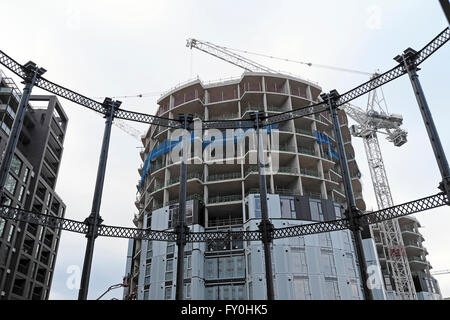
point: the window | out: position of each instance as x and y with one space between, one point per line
328 266
6 202
16 165
168 293
211 270
249 263
350 265
21 193
250 290
170 248
2 226
331 290
10 233
337 211
355 291
257 207
149 250
187 291
169 270
287 208
301 288
11 184
26 174
188 266
316 210
325 240
299 264
148 268
146 294
211 293
173 214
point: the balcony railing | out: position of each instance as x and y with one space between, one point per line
307 151
224 176
221 199
305 132
287 170
309 172
225 222
193 175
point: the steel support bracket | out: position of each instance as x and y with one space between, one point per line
181 236
266 228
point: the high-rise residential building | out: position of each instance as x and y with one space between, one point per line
427 287
305 187
28 251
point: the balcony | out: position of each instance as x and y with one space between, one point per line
225 222
310 173
225 199
224 176
307 151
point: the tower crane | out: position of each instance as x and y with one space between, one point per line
375 119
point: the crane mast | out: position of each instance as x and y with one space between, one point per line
369 122
377 119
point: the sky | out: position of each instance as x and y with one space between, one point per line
117 48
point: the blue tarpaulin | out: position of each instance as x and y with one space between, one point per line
168 145
322 138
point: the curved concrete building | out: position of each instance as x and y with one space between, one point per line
305 188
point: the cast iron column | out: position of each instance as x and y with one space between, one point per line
408 59
94 220
182 229
352 211
32 73
265 227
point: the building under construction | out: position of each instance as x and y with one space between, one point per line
306 187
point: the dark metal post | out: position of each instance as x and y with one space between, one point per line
408 59
352 211
446 8
265 226
32 73
181 228
94 220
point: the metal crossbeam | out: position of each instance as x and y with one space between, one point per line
133 233
43 219
400 210
404 209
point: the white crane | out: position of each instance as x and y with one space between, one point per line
374 120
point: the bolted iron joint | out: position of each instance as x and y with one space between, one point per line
408 59
93 225
444 186
32 72
266 228
182 231
257 118
331 97
188 118
110 104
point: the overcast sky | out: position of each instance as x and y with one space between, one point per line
115 48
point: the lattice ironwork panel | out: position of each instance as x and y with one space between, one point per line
224 236
297 113
226 124
146 118
404 209
133 233
12 65
70 95
43 219
312 228
370 85
433 46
